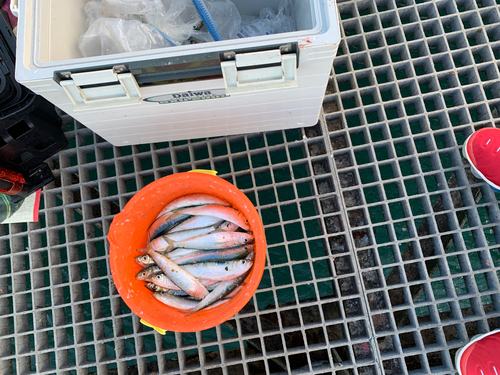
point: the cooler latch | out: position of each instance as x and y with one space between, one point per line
100 89
257 71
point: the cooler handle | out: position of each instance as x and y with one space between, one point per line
258 71
101 89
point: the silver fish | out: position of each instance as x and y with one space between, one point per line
222 290
179 253
164 224
219 271
196 222
192 200
155 288
190 233
215 255
159 244
179 276
222 212
235 291
163 281
175 301
147 272
251 256
228 226
182 303
144 260
216 240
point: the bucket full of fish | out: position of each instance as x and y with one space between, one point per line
187 252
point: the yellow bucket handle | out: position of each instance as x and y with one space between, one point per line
213 173
159 330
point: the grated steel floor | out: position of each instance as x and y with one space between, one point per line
383 249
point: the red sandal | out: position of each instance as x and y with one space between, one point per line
482 150
481 356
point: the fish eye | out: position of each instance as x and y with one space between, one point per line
245 240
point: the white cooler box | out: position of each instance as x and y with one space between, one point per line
192 91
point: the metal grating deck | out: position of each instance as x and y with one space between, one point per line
383 253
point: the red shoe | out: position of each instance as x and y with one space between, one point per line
482 151
481 356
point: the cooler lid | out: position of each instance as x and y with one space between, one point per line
39 58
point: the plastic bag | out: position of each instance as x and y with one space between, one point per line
178 19
96 9
226 16
269 22
116 26
132 6
107 36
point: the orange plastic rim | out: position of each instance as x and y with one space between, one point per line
128 233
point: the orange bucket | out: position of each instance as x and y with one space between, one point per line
128 232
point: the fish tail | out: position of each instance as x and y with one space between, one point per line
190 312
143 250
171 244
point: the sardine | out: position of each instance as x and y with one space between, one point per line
216 240
196 222
182 303
160 245
228 226
192 200
180 277
176 292
164 244
175 301
179 253
251 256
222 212
219 271
144 260
155 288
215 255
161 280
164 224
190 233
147 272
222 290
235 291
